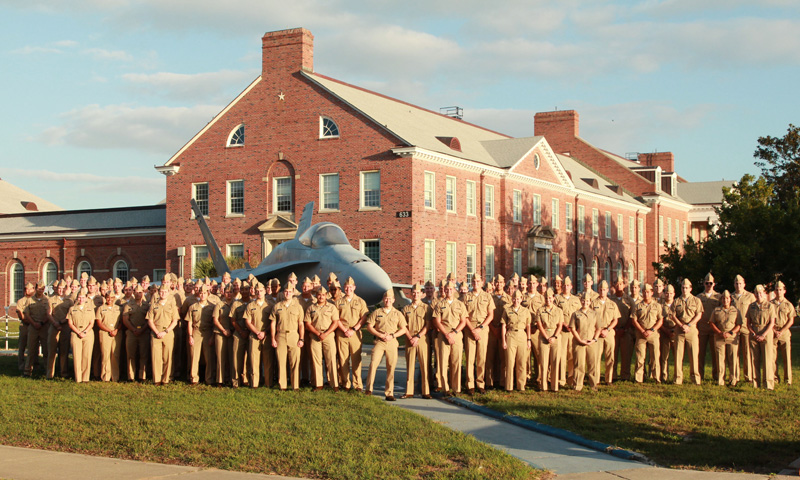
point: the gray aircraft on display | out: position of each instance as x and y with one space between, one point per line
318 249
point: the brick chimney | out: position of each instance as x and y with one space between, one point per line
665 160
563 123
287 51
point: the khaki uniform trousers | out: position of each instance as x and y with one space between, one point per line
161 357
605 348
36 337
494 374
137 349
58 344
181 353
726 352
745 355
584 358
349 350
534 355
288 354
566 363
433 360
110 351
418 354
666 346
203 345
239 348
390 349
224 363
307 362
449 364
261 355
782 346
23 345
82 355
548 364
324 351
763 355
706 343
687 341
643 346
517 359
623 346
476 358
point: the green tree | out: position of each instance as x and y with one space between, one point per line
779 160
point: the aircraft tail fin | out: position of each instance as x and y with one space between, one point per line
213 249
305 219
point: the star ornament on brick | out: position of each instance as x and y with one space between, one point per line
281 96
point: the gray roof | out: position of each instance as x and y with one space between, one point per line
580 171
14 200
508 151
74 221
703 193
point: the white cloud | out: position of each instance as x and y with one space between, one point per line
103 54
89 182
160 130
195 87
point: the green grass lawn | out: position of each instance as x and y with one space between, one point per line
706 427
317 435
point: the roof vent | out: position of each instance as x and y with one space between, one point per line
616 189
592 182
632 156
453 112
451 142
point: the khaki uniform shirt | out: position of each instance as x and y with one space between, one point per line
110 315
287 318
305 302
387 322
784 311
237 312
223 312
137 314
550 318
321 316
625 305
258 315
742 303
584 323
185 304
606 311
350 313
162 315
81 316
710 302
450 314
516 321
96 300
479 305
418 317
647 314
687 308
37 309
500 302
60 308
22 306
533 302
726 319
668 314
201 316
759 316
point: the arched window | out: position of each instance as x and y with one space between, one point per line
579 275
631 269
50 273
84 266
328 128
121 270
236 137
17 282
618 272
607 272
594 273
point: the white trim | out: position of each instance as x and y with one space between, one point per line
432 259
322 119
228 212
322 208
92 234
230 137
551 159
668 202
212 122
474 186
275 195
425 174
361 205
451 247
228 248
447 180
361 248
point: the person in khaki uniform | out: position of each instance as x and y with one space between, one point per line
450 316
59 335
760 321
549 321
418 319
40 314
137 340
782 337
352 315
24 322
726 321
306 299
624 336
223 336
241 337
108 318
516 331
607 317
688 310
162 318
288 337
742 299
387 324
321 321
80 319
705 334
494 374
200 332
585 332
668 339
569 304
260 350
647 319
480 308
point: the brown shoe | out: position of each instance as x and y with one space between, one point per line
407 395
316 389
481 391
390 398
427 397
367 392
335 389
471 391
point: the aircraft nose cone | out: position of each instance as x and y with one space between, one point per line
371 282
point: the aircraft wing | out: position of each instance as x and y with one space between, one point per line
277 270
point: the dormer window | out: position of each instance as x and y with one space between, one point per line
236 137
328 128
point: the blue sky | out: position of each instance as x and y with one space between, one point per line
97 92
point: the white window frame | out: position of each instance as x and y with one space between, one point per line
516 205
450 194
229 198
275 194
233 132
207 199
159 274
568 273
80 270
362 177
489 201
677 231
683 241
669 231
450 258
568 217
660 230
555 214
228 249
594 273
619 270
115 270
595 222
640 230
516 255
471 258
363 248
323 193
489 264
537 209
322 135
429 264
471 198
620 228
579 275
581 220
195 248
17 285
608 224
49 281
429 195
632 229
607 272
555 267
631 270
